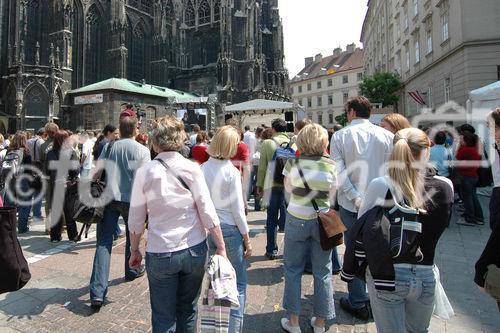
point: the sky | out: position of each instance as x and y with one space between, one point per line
319 26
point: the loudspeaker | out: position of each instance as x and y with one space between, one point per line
288 116
290 128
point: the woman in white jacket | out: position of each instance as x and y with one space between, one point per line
224 184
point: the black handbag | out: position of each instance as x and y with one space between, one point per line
80 212
484 172
14 272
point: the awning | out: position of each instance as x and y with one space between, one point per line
262 105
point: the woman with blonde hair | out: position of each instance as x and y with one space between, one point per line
395 122
224 182
401 287
171 193
302 238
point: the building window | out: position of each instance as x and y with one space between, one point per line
93 55
445 21
345 79
309 102
346 97
330 98
320 118
330 118
360 76
330 82
407 57
498 73
204 12
415 8
300 89
406 21
447 89
320 100
189 15
417 51
309 87
217 10
398 28
318 84
429 41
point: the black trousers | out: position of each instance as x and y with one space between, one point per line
495 207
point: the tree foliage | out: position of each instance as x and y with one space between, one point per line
381 88
342 119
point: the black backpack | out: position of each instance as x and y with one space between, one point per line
11 166
404 228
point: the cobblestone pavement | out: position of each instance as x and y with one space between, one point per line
57 300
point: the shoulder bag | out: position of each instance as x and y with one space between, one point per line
330 224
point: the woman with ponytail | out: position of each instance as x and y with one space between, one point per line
405 302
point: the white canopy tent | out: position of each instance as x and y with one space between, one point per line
263 111
481 102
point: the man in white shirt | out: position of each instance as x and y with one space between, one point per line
86 157
192 138
250 140
360 152
494 124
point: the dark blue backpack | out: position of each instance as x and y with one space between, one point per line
281 155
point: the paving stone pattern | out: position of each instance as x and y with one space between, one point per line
57 299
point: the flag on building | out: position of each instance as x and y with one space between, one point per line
418 97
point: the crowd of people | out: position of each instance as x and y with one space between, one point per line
181 187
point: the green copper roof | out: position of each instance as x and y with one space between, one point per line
137 88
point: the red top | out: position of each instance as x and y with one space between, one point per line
242 156
200 154
466 153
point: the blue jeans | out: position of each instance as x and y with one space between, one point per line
357 288
105 231
235 251
409 308
299 236
335 261
19 201
276 212
175 280
37 204
473 210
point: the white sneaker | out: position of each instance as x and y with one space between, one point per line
285 324
315 328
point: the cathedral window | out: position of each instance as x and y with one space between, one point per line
217 10
137 55
93 45
204 12
189 16
33 30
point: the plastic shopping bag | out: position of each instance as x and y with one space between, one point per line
442 306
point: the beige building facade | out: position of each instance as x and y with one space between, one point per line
442 49
325 83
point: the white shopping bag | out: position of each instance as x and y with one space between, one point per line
442 306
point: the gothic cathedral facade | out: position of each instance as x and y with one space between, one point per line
232 48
